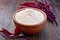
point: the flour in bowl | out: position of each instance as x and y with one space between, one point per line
29 16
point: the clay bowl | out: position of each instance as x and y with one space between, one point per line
30 29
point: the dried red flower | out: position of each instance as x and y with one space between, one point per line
17 31
44 7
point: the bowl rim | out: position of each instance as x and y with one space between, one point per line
45 19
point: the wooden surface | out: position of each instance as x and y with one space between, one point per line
8 7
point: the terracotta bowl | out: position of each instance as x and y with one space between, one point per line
30 29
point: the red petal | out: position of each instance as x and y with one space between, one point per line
17 31
5 31
28 4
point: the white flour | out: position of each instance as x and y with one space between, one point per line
29 16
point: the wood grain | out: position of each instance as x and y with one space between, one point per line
8 7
